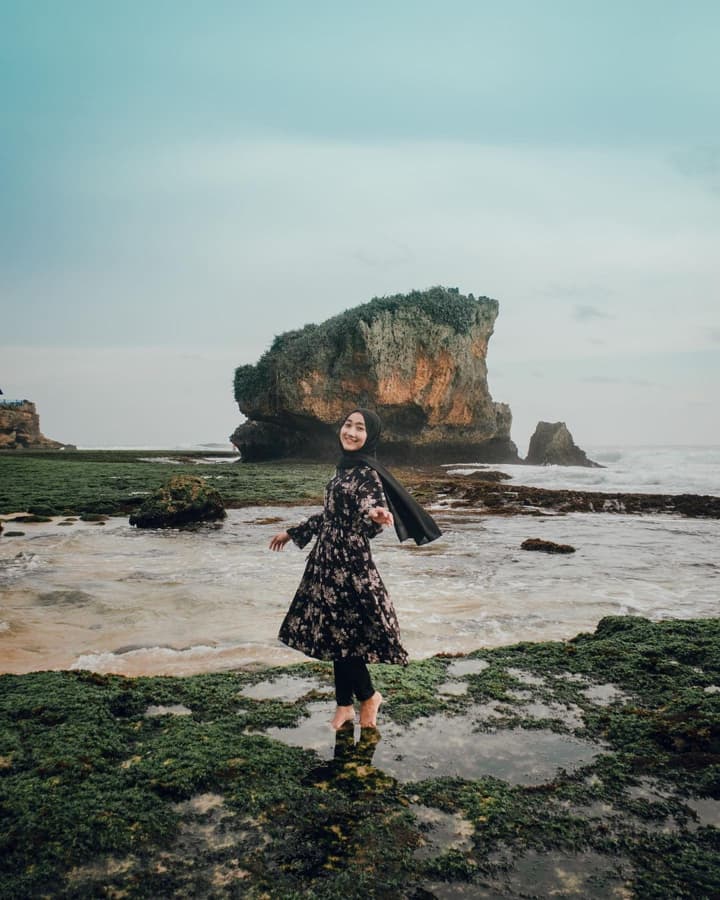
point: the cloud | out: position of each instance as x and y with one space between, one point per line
585 313
393 253
628 380
701 164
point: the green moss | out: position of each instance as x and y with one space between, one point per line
101 483
96 797
183 499
411 692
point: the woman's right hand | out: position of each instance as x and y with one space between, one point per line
279 541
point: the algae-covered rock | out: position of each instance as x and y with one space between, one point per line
183 500
546 546
528 783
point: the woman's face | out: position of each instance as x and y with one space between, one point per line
353 433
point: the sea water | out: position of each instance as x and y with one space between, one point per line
112 598
644 470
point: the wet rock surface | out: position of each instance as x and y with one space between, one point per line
584 768
553 445
546 546
184 500
458 492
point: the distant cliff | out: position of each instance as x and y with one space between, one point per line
419 359
20 428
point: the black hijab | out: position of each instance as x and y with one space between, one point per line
410 518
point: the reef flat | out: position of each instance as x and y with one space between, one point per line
582 768
116 482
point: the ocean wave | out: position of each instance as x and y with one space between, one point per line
649 470
18 565
164 660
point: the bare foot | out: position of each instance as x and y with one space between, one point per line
369 710
342 715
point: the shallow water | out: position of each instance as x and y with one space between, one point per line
450 746
113 598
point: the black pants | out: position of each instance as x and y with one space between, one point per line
352 677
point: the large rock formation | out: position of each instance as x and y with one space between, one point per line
418 359
20 428
553 445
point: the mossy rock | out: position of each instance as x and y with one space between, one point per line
183 500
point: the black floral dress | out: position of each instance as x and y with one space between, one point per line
341 607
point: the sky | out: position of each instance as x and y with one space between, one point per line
181 182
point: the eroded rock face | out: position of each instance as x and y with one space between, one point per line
20 428
418 359
553 445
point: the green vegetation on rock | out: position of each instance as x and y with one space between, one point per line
297 351
182 500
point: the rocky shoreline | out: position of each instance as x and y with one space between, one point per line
487 492
586 768
117 483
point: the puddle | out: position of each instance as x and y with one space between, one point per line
572 677
649 789
570 716
460 667
525 677
200 804
604 694
313 732
519 694
451 890
590 876
177 709
453 688
286 688
706 809
441 746
441 831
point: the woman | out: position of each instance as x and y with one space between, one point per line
341 611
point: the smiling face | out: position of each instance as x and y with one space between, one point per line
353 433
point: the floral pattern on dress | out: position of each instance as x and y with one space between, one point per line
341 607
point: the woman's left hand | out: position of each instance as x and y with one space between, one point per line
380 515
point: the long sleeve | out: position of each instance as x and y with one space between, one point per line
369 495
302 534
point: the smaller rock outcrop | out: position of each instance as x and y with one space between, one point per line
20 428
553 445
183 500
546 546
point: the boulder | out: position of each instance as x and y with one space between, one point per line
553 445
418 359
20 428
183 500
546 546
